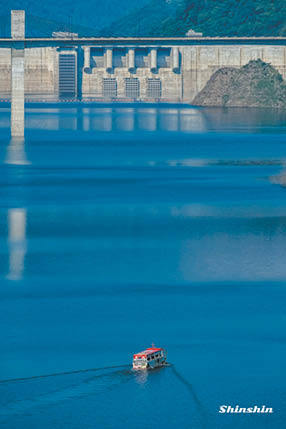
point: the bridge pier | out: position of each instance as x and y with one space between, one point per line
109 60
154 60
86 59
131 59
17 75
175 60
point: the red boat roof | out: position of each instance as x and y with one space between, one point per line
148 351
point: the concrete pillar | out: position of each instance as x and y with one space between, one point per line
18 24
153 60
175 60
109 65
17 75
131 59
17 102
86 61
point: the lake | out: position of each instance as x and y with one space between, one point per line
123 226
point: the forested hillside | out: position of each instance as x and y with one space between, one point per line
212 17
146 21
150 17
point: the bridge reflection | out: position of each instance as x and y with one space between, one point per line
16 153
17 219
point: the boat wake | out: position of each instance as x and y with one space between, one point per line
24 394
37 391
56 374
201 410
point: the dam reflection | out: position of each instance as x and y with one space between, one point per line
17 219
144 118
112 119
148 119
16 153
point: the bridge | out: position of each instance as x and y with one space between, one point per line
137 41
122 69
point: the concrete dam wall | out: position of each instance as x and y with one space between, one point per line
41 71
125 72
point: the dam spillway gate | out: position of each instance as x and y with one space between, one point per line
67 76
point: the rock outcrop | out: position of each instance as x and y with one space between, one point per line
257 84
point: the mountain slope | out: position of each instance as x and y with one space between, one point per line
145 21
150 17
212 17
81 16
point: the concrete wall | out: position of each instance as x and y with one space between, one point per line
41 72
5 73
179 82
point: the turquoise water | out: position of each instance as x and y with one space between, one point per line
124 226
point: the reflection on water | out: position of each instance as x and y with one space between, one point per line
170 121
97 123
279 179
17 242
16 155
114 119
141 377
189 162
16 152
150 119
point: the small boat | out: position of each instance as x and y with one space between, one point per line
152 357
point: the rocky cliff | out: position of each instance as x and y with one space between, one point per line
257 84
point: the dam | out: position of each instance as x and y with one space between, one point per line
169 70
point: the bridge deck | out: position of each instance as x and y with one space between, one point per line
155 41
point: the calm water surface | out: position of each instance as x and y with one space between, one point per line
124 226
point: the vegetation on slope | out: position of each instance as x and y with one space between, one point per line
212 17
257 84
150 17
146 21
